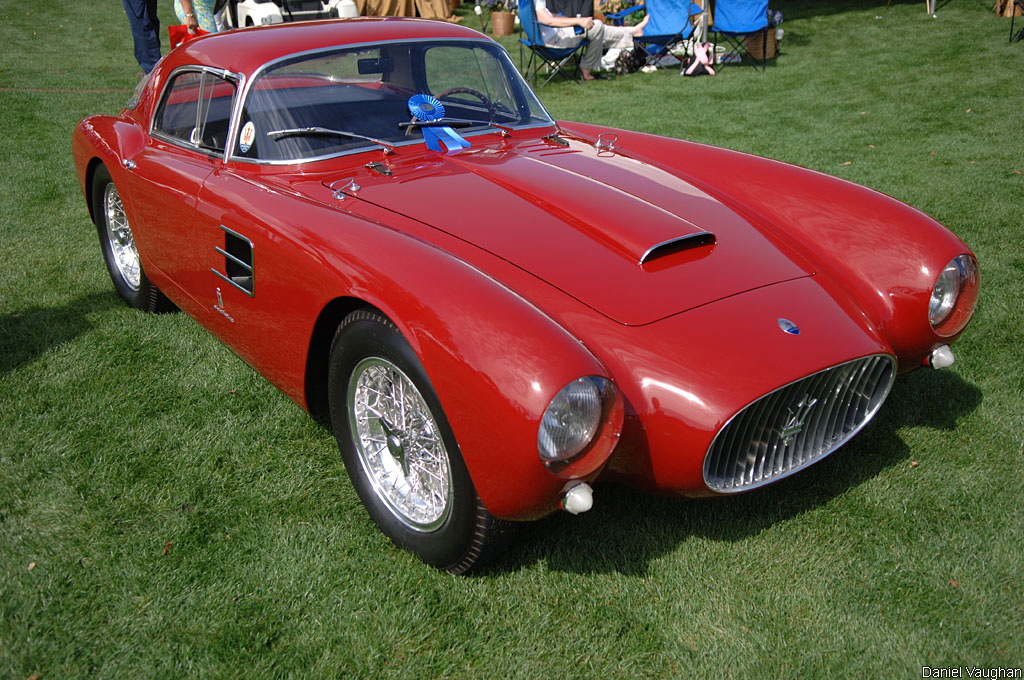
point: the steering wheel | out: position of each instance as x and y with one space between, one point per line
470 91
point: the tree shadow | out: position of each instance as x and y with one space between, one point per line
27 334
626 530
806 9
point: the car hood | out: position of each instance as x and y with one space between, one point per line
623 236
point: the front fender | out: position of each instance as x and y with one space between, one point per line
494 359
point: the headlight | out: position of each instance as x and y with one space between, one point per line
954 296
572 419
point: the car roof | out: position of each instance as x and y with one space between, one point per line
245 50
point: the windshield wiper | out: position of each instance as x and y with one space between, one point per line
442 122
322 132
454 123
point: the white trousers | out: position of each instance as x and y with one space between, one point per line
601 38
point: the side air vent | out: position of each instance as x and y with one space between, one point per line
675 245
238 262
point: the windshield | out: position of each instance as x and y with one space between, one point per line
365 93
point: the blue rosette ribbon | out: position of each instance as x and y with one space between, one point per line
428 109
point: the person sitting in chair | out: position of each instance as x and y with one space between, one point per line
560 31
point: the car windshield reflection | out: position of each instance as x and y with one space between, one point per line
345 100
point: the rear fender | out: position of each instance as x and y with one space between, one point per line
107 140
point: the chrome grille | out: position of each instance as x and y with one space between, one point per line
796 425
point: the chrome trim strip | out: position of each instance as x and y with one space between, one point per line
231 231
227 279
236 114
234 259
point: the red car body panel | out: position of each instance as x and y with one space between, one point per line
515 267
883 253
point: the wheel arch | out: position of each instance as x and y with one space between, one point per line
90 176
319 352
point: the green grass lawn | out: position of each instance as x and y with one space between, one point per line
165 512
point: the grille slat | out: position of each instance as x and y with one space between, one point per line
788 429
823 421
757 453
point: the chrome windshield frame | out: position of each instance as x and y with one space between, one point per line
247 84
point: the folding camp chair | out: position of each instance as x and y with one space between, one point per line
1017 4
668 26
559 60
737 20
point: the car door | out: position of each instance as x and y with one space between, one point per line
186 142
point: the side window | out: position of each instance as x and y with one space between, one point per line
195 110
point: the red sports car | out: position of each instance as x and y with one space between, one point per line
495 308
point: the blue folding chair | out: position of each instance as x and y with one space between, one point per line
557 59
737 20
670 24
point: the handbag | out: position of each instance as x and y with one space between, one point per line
180 33
630 60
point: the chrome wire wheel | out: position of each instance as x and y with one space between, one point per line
399 445
119 235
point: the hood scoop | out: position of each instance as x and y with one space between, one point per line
678 245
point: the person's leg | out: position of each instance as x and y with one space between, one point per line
145 25
592 57
616 39
620 37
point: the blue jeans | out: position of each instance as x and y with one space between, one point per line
145 22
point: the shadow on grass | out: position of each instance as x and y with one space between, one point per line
30 333
627 530
806 9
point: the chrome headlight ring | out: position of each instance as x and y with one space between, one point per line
954 295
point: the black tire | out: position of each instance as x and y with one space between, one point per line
115 234
454 534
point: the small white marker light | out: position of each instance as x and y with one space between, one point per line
941 357
579 498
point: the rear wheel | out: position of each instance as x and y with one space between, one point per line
119 251
399 450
